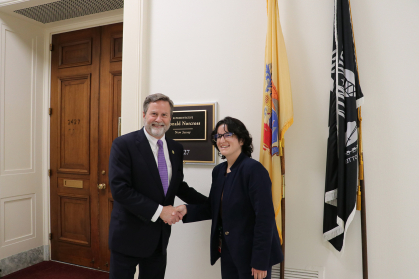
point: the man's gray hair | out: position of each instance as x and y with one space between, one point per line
157 97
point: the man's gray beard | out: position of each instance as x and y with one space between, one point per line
158 135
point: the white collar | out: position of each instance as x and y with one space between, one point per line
152 140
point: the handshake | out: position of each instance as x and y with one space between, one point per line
171 215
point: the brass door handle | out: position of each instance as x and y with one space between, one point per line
101 186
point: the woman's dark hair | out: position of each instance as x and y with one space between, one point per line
237 127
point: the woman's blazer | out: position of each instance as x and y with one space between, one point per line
248 216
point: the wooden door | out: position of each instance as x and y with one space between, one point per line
85 93
110 112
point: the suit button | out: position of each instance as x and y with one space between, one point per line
227 233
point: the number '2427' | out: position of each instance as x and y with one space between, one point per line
73 121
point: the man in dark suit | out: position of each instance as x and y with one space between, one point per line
145 175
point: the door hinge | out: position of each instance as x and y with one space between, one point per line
51 47
50 236
49 172
50 111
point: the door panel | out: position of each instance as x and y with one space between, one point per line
86 76
75 73
116 46
75 53
74 124
74 220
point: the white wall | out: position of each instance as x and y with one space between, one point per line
200 51
388 56
204 51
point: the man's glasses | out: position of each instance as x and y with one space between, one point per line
227 135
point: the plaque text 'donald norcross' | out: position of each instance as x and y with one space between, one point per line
188 125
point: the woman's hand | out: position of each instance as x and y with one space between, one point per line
259 274
181 209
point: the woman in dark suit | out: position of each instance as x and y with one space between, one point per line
243 231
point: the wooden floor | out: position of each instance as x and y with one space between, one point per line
57 270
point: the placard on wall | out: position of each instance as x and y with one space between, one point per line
192 125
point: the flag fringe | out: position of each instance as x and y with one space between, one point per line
280 233
359 102
331 197
286 126
340 229
277 211
333 233
348 222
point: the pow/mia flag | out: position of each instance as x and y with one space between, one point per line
342 144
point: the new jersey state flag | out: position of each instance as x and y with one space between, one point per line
277 106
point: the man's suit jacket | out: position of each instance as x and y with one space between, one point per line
137 192
248 216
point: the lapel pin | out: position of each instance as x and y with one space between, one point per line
173 152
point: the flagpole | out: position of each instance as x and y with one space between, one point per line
363 202
282 270
364 232
361 175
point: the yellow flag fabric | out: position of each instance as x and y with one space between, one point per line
278 113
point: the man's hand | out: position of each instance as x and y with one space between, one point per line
181 209
167 216
259 274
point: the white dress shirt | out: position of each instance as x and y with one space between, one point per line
155 148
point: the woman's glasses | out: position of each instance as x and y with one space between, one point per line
226 136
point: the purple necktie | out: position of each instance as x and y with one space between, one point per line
162 167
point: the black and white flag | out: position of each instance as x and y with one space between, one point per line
342 144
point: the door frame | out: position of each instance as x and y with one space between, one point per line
49 32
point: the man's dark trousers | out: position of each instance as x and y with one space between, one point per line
153 267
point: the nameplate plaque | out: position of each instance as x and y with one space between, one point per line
73 183
188 125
